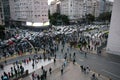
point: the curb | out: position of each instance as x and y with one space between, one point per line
97 74
16 56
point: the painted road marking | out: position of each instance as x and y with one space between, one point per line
115 63
111 73
93 57
81 59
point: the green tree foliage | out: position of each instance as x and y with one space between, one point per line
2 33
106 16
90 18
57 19
65 19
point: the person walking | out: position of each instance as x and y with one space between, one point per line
74 61
85 54
15 71
70 56
62 71
74 54
87 70
81 68
55 56
33 75
50 70
33 65
54 60
94 77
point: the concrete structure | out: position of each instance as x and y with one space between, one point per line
6 11
1 13
113 45
96 7
88 9
76 9
29 12
72 8
54 7
109 6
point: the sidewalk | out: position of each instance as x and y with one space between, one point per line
16 55
27 66
70 72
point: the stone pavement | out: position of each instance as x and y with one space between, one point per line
16 55
71 72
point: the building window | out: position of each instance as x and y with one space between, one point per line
35 15
1 16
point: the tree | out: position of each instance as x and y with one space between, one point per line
90 18
49 14
65 19
57 19
106 16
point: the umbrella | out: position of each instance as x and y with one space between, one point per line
10 42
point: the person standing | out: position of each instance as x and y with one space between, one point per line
85 54
11 72
15 70
1 77
38 77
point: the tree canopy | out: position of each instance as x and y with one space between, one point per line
106 16
58 19
90 18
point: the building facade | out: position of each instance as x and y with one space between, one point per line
109 6
54 7
1 13
6 11
96 7
72 8
76 9
29 12
113 45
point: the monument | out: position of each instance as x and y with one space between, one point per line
113 44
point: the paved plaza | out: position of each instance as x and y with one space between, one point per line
70 72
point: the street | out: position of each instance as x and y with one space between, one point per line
104 65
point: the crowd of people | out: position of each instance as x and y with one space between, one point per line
48 43
15 71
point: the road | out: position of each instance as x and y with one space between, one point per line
107 65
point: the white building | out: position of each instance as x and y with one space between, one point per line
88 9
30 12
76 9
54 7
72 8
1 13
109 6
96 5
